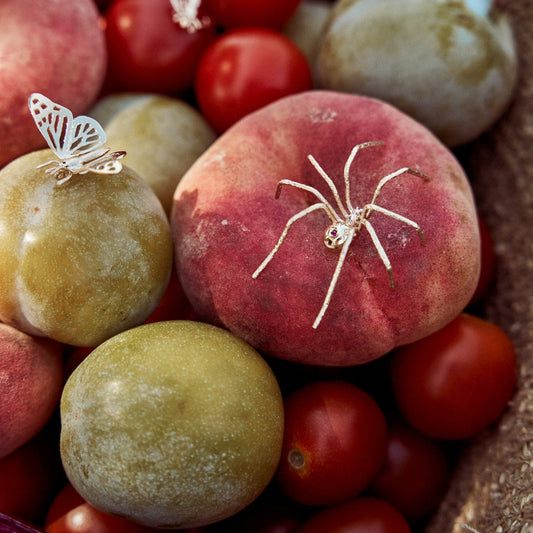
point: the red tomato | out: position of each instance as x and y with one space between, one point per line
267 13
487 262
415 474
457 381
147 51
70 513
30 476
246 69
362 515
174 305
334 443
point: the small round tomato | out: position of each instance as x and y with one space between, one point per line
174 305
70 513
266 13
457 381
415 474
147 51
30 476
245 69
362 515
334 443
487 262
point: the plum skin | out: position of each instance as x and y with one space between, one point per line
83 260
172 424
225 221
452 69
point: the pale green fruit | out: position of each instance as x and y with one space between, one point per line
83 260
105 109
163 137
305 27
172 424
447 63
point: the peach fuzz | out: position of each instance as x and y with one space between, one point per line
31 373
56 48
225 221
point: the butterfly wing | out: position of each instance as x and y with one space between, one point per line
66 136
109 167
86 135
108 163
53 121
186 14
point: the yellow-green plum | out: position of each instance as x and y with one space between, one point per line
226 221
451 64
57 48
105 109
172 424
162 136
31 376
306 26
82 260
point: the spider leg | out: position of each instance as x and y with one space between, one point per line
393 175
290 222
333 282
326 205
330 183
380 249
348 164
371 207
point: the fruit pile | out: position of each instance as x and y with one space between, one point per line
242 268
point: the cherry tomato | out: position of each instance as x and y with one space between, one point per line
174 305
147 51
70 513
362 515
487 262
244 70
457 381
334 442
415 474
267 13
30 476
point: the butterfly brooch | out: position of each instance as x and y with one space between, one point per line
186 15
77 142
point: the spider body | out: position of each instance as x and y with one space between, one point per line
347 222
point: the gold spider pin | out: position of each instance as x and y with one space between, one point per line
345 223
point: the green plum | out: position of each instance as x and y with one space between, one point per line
451 64
83 260
172 424
163 137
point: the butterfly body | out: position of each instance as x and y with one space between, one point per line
77 142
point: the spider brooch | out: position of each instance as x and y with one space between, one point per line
346 225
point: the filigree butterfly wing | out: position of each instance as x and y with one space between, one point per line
186 15
108 163
86 135
66 136
53 121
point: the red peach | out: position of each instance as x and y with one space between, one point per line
31 379
225 221
56 48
